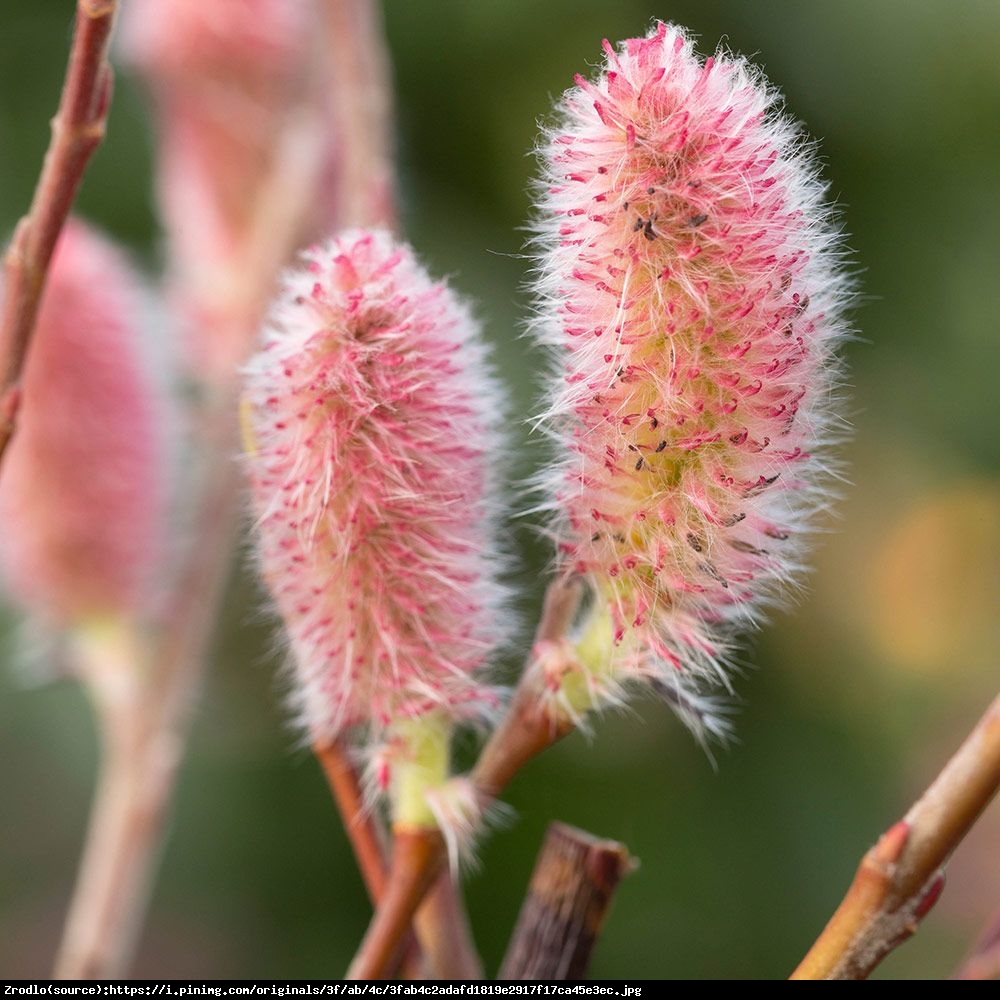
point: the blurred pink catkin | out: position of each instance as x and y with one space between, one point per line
83 494
239 96
373 414
692 301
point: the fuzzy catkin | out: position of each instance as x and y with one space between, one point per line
85 486
692 300
373 416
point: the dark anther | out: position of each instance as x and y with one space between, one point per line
654 423
714 573
761 485
741 546
647 230
694 541
661 446
650 190
735 519
697 220
638 464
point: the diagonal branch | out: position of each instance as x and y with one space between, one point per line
900 878
364 833
418 857
77 130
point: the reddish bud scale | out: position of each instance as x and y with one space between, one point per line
693 302
83 492
373 417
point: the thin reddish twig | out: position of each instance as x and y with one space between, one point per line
363 832
417 860
77 130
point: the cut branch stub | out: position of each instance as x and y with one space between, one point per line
571 890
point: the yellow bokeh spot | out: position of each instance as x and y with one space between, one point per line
936 582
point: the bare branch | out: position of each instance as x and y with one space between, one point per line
366 837
77 130
444 932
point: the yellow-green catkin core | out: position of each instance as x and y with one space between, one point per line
108 658
593 651
420 764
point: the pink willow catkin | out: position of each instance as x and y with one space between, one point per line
84 489
692 299
372 416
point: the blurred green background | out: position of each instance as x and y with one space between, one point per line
855 697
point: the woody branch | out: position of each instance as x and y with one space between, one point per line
77 130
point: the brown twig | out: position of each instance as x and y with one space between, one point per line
570 893
364 833
528 727
900 878
77 130
113 881
125 832
983 962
